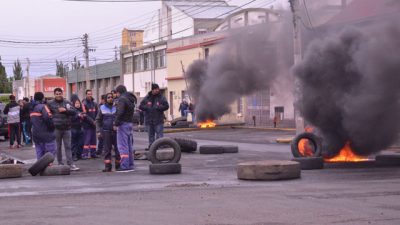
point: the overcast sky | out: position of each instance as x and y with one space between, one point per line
48 20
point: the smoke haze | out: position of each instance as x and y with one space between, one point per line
349 84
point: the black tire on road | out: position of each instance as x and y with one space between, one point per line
41 164
310 163
56 170
10 170
315 141
230 148
163 142
167 168
187 145
211 149
387 160
174 121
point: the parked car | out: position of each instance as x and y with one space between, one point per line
3 122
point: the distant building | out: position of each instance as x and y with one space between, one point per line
21 88
131 39
48 83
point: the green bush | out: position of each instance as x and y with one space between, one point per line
4 99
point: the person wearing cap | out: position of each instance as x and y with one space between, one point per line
153 106
123 124
42 127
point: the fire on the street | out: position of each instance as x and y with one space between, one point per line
305 148
346 154
207 124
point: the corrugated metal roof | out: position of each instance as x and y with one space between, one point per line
207 12
99 71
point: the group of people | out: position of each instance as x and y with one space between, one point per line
88 130
185 108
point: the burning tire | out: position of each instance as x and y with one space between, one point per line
268 170
174 121
211 149
164 143
168 168
10 171
41 164
306 145
310 163
230 148
56 170
181 124
186 145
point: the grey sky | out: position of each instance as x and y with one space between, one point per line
32 20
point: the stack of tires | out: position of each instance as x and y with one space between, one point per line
165 154
41 166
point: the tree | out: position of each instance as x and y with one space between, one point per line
5 85
17 70
62 70
76 64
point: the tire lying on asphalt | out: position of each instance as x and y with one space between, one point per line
41 164
56 170
268 170
10 170
387 160
230 148
181 124
310 163
186 145
211 149
313 140
164 142
174 121
166 168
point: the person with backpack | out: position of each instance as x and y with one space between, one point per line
42 127
13 112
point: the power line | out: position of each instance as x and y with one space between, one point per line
40 42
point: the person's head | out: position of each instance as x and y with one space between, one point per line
89 94
109 98
38 97
77 104
26 99
114 93
155 89
12 97
21 102
103 98
120 89
58 94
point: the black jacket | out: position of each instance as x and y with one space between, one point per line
25 111
90 109
125 108
105 118
153 107
42 124
62 121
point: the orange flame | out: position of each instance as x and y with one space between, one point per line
346 154
207 124
305 148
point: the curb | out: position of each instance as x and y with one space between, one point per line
284 140
264 128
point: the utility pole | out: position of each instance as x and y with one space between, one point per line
86 53
27 77
295 6
115 53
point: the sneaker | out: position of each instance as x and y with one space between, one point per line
73 167
124 170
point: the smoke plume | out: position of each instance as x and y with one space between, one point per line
246 62
349 85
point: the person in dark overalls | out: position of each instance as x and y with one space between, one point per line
89 126
42 127
76 129
100 143
105 129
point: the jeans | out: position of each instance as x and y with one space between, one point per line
63 136
76 142
14 130
26 131
155 132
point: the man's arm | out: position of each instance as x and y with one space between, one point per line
99 122
71 111
143 105
6 109
120 111
163 106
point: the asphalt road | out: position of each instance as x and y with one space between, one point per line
207 192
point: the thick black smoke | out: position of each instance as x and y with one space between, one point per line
350 87
246 62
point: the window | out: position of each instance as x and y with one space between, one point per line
159 59
128 65
147 61
201 30
138 59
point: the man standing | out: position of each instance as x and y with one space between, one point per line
105 129
13 112
153 106
183 107
124 126
62 111
42 127
25 120
89 126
